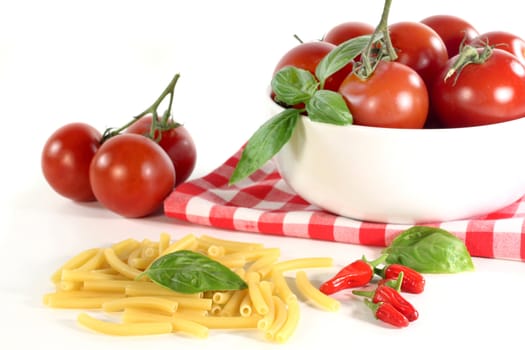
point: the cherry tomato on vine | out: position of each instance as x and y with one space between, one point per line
394 96
346 31
419 47
480 94
176 142
503 40
66 157
307 56
131 175
452 30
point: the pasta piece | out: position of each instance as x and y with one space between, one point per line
59 302
252 279
282 289
281 314
216 251
233 305
186 242
266 290
164 241
131 315
302 263
144 328
263 265
123 248
150 288
290 324
313 294
221 298
223 322
154 303
74 262
246 307
81 276
95 262
228 244
123 268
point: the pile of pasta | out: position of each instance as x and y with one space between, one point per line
105 280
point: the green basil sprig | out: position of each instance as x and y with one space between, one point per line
185 271
303 93
429 250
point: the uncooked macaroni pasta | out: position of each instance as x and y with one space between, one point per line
106 284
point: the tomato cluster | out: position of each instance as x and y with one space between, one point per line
443 73
130 171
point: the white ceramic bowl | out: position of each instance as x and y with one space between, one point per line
405 176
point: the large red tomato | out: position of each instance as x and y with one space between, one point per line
346 31
419 47
131 175
307 56
503 40
394 96
452 30
66 157
176 142
485 93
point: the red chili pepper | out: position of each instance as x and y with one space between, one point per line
384 293
413 281
387 313
356 274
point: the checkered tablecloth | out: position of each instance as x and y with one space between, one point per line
263 203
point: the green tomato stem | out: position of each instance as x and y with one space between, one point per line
169 90
368 59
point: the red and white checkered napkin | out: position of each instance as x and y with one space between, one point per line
263 203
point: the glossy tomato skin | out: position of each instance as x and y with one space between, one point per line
453 31
503 40
176 142
394 96
419 47
66 157
131 175
482 94
346 31
307 56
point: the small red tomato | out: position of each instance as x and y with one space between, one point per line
131 175
346 31
419 47
394 96
481 93
452 30
307 56
176 142
503 40
66 157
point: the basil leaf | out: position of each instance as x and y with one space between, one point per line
185 271
429 250
293 85
328 107
340 56
265 143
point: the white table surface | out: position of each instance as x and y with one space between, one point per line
102 62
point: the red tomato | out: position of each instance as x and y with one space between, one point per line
419 47
131 175
346 31
394 96
452 30
486 93
66 157
503 40
176 142
307 56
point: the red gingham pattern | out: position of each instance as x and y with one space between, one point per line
263 203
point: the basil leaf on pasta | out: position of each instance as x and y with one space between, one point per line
186 271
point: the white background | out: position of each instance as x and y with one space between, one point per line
102 62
